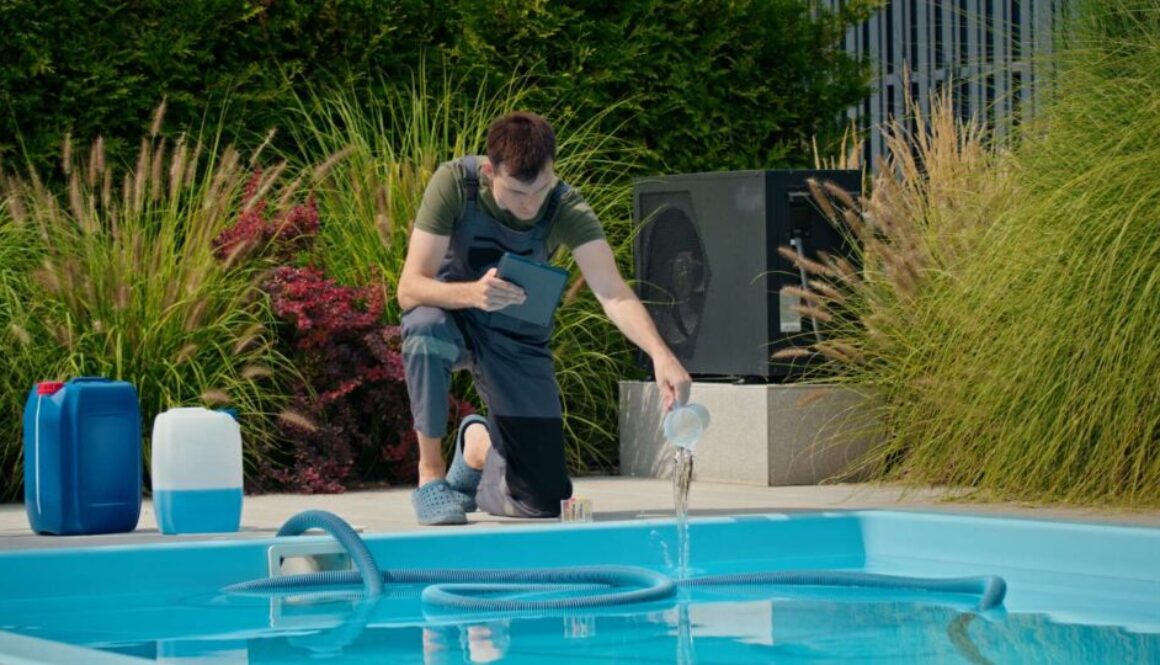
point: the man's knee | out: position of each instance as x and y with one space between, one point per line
514 488
535 471
545 494
424 320
429 331
504 493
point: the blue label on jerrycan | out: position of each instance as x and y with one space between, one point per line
198 511
82 457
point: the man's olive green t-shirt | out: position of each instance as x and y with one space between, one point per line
446 199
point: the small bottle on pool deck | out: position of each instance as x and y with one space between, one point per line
576 509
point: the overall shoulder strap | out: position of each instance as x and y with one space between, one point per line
471 177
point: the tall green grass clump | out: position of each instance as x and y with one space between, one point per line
112 272
381 142
1007 319
387 140
22 359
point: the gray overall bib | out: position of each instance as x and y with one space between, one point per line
525 474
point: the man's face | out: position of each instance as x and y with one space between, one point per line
522 199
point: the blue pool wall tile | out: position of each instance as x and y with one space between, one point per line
1061 547
765 541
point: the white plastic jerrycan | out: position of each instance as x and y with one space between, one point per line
197 471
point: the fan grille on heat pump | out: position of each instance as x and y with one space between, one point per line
675 276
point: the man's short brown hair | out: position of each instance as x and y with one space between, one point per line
522 141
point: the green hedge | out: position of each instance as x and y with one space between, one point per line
101 67
711 85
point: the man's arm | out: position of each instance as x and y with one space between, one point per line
418 286
626 311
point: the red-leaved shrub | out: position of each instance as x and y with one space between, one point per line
349 420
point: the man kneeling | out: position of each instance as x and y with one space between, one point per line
475 209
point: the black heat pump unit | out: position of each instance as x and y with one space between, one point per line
708 269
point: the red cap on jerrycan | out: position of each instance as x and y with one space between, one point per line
48 387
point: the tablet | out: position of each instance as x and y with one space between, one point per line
543 284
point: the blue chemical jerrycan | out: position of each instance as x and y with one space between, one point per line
82 457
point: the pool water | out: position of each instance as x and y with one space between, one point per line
1077 593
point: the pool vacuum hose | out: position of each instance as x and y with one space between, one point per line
460 588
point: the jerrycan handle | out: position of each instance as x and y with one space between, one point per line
91 379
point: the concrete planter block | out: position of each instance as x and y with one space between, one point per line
767 435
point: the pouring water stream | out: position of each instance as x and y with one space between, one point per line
683 427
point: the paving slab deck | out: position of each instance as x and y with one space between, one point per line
613 498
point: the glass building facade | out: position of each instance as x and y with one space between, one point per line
991 53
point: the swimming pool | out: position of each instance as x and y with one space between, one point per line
1077 593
